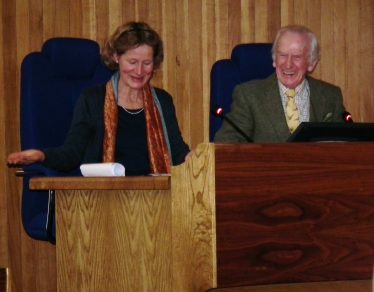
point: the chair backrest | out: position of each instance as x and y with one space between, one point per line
51 82
248 62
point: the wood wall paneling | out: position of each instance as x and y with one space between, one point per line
366 44
208 55
246 18
88 19
194 56
339 39
196 34
352 48
182 65
287 12
9 191
3 175
48 17
234 28
102 21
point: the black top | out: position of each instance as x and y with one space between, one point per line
84 142
131 148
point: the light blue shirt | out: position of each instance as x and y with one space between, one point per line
302 99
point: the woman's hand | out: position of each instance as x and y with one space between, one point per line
25 157
189 155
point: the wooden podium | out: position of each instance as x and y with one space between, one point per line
232 215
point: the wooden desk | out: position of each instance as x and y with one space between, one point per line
113 234
228 217
294 213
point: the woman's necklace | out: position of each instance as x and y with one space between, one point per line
132 112
133 101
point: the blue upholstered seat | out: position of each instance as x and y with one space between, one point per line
51 82
248 62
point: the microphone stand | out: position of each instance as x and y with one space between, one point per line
240 131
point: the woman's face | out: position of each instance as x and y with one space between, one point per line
136 66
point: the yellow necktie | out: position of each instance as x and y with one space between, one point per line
292 113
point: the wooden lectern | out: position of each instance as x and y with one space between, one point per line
232 215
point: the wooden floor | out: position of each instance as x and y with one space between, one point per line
338 286
2 280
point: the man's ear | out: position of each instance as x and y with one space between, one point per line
312 66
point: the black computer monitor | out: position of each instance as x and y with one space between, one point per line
333 132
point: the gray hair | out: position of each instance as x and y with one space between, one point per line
302 30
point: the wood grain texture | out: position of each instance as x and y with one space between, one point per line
39 260
120 241
124 239
193 224
101 183
3 174
331 286
294 213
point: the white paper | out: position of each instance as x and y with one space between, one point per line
102 169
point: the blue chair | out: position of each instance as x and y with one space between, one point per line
248 62
51 82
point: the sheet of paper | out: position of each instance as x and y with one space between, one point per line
102 169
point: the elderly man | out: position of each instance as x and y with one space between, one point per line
269 110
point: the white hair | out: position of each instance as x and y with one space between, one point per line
302 30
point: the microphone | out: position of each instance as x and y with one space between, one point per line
347 117
218 112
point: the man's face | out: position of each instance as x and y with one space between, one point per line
292 59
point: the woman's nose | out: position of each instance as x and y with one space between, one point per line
139 69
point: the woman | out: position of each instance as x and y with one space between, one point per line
127 120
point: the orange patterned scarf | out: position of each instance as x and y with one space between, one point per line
157 146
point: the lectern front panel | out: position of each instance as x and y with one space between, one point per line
294 213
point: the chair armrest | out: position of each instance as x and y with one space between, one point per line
40 170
